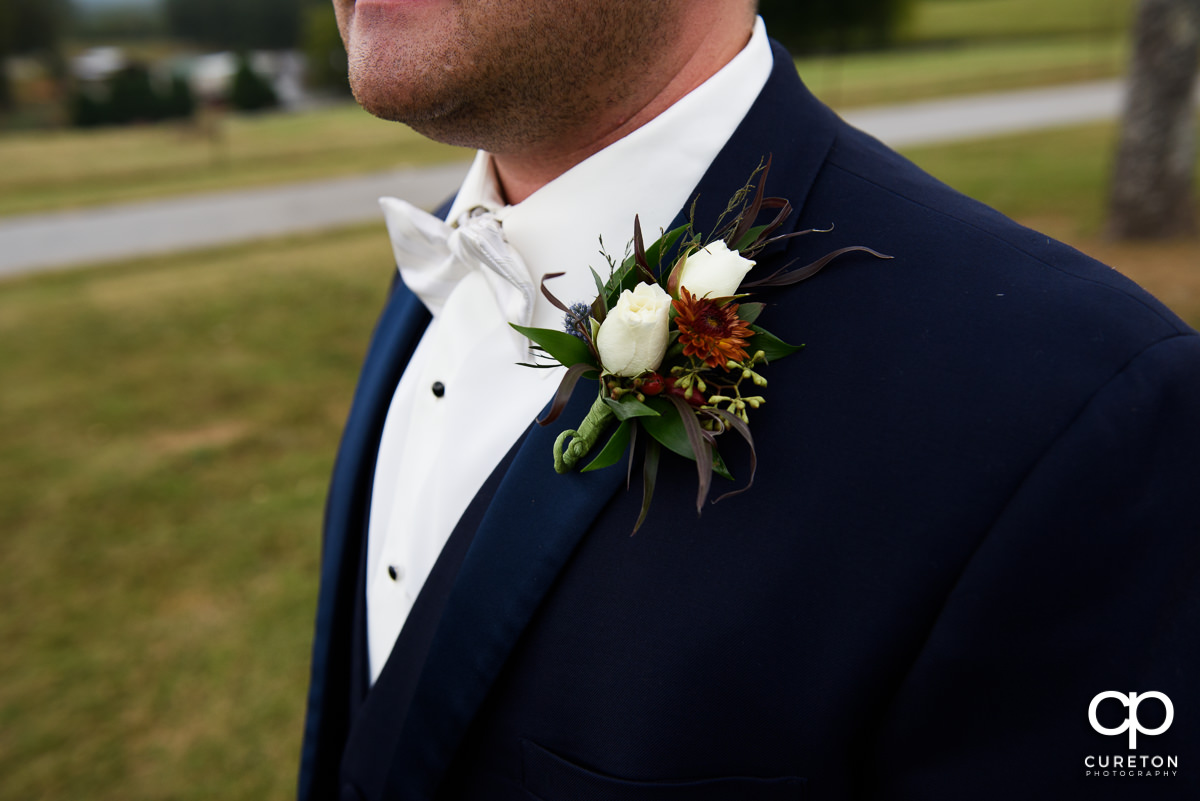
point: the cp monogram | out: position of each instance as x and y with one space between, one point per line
1131 722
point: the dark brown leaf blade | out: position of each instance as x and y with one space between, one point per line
785 277
633 433
649 479
639 252
785 210
563 393
701 447
558 304
743 429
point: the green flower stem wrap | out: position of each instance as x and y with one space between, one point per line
583 439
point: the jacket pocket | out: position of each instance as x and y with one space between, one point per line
549 777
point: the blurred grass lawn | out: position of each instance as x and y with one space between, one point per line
865 79
984 20
169 425
168 428
67 169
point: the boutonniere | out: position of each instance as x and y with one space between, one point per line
673 345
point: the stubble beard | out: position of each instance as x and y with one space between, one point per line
502 84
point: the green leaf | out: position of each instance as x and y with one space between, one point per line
599 282
719 466
627 277
749 312
613 449
567 349
751 235
668 428
655 252
771 345
628 407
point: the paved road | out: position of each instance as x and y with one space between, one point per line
93 235
978 116
89 236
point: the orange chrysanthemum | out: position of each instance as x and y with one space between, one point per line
709 331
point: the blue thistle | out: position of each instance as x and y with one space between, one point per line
577 315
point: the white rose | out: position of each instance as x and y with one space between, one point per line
633 337
714 271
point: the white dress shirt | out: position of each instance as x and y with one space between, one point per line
437 450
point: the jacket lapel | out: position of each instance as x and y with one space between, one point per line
533 523
537 517
786 124
327 721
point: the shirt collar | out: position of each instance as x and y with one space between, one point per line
651 172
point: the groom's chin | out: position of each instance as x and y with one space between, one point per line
392 84
402 67
442 120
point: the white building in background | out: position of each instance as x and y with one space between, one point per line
98 64
210 75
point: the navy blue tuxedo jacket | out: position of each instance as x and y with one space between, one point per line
977 506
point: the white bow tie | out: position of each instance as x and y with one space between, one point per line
433 257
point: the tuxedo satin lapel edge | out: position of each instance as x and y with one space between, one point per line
786 123
395 337
538 517
526 537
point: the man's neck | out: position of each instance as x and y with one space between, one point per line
523 171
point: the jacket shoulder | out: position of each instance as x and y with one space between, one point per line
945 241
